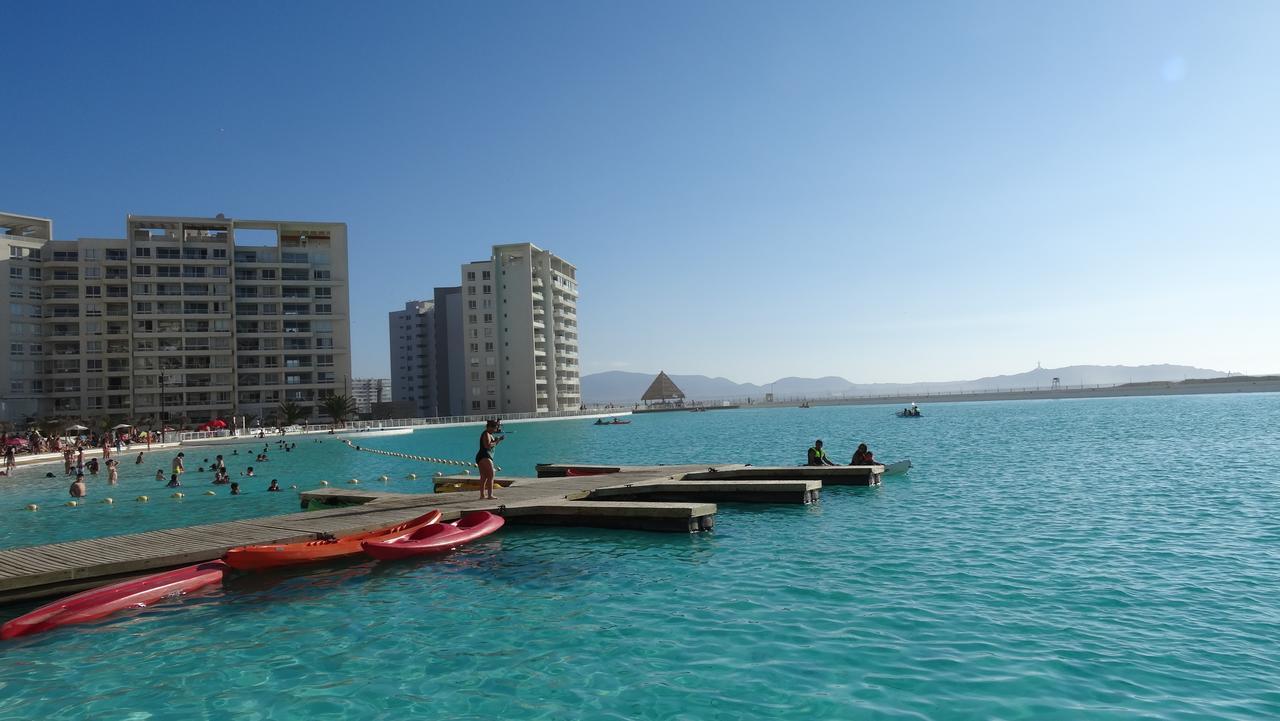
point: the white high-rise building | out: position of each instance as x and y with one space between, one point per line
520 332
413 368
181 320
368 391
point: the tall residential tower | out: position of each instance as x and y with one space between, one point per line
520 332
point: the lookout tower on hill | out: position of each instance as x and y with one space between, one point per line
663 391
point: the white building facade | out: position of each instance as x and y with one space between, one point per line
367 391
178 321
520 332
413 368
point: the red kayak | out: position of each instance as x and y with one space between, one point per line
437 538
257 558
96 603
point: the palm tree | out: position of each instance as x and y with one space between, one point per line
292 412
339 407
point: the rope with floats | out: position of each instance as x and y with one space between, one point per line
412 457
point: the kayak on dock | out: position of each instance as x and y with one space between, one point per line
436 538
99 602
257 558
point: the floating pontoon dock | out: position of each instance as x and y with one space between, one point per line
662 498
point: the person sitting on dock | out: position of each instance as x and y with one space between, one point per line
862 456
817 456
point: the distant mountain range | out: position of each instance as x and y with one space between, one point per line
627 387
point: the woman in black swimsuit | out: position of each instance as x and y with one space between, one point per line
484 457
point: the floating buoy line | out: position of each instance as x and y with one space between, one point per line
411 457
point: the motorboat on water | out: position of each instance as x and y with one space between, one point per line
911 412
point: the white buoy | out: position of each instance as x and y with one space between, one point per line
73 504
439 474
412 476
143 499
179 494
210 493
383 478
324 483
354 480
32 507
108 501
467 472
294 486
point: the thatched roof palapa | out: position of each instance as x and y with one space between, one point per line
662 389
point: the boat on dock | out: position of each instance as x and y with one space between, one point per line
100 602
258 558
436 538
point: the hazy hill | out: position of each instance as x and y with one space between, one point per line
627 387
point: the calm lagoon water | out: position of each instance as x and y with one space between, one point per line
1099 559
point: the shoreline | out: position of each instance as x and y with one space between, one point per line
1171 388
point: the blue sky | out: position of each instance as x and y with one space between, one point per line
889 192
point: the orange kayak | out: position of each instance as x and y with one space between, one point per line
257 558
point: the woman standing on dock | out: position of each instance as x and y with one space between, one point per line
484 457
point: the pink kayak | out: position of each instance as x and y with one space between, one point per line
99 602
436 538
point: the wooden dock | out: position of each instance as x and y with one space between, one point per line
662 498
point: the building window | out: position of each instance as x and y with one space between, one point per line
15 349
490 376
471 305
475 347
488 317
93 272
15 272
471 275
493 404
484 275
488 289
471 290
93 291
475 405
488 347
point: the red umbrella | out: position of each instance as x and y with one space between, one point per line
16 442
217 423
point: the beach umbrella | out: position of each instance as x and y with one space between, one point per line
121 427
77 427
217 423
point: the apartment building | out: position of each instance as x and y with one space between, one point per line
413 366
183 319
520 332
449 360
22 379
368 391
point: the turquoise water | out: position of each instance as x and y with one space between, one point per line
1099 559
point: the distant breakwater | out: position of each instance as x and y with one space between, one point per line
1171 388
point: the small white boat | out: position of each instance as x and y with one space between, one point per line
897 467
